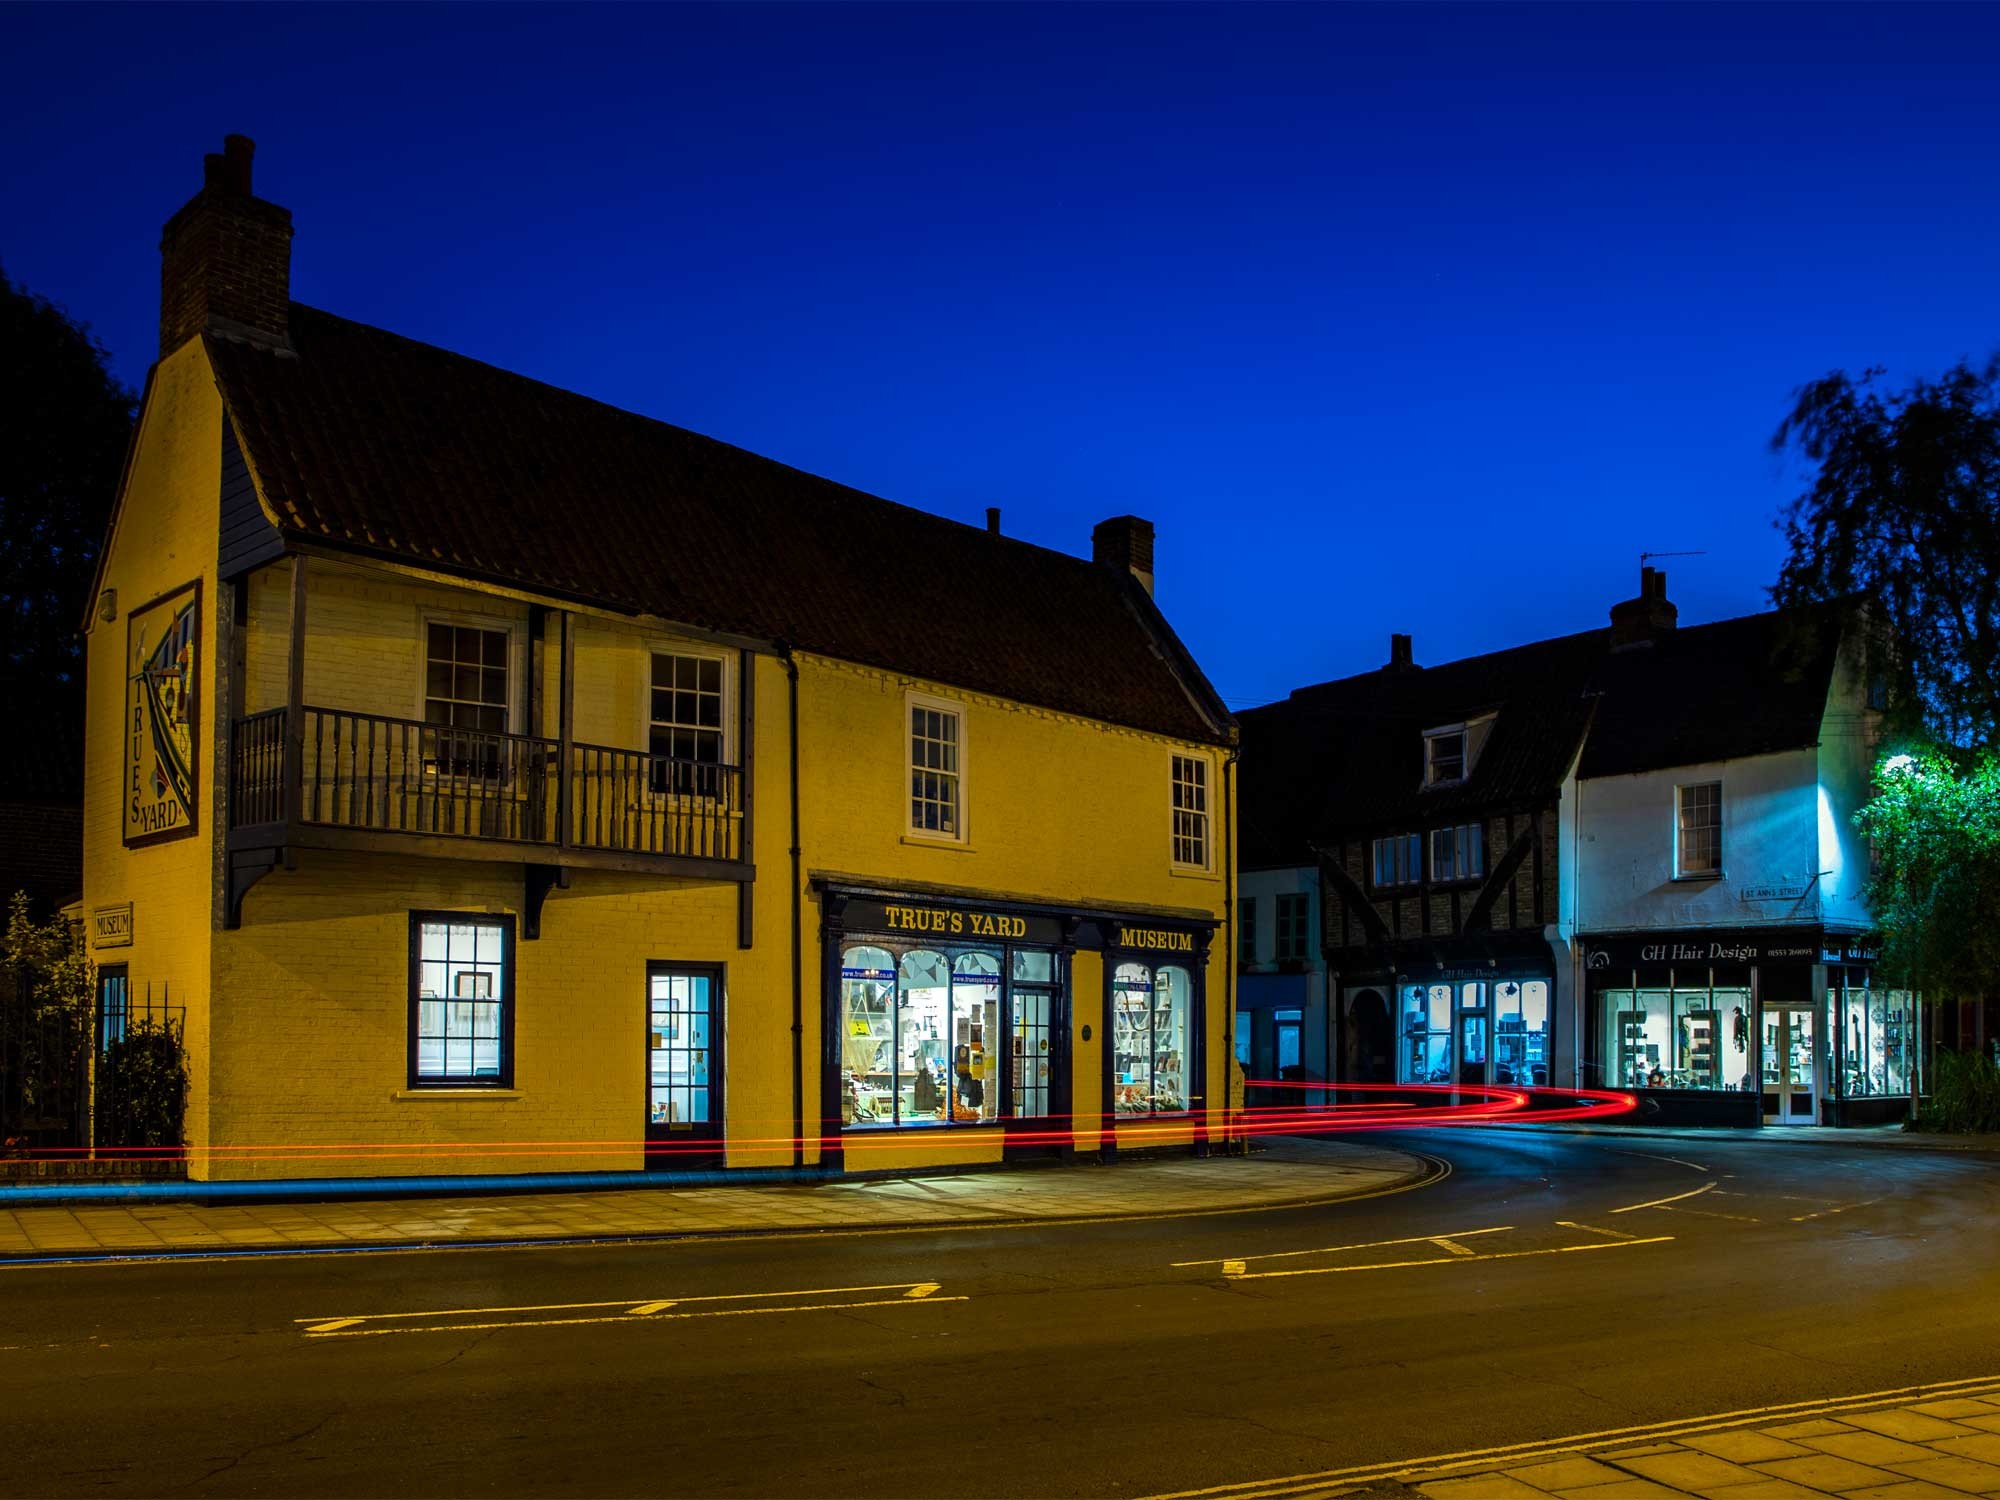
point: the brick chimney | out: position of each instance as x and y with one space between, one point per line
1400 657
226 259
1647 619
1125 543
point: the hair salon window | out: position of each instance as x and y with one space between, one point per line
461 1000
1878 1035
1149 1038
1190 807
937 768
923 1031
1679 1028
686 726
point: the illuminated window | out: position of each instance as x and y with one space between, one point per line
685 723
1399 861
461 1000
937 769
1149 1038
1457 853
1191 812
1699 847
1292 924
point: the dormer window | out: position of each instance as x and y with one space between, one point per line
1451 749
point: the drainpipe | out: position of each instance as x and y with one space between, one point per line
1229 919
798 925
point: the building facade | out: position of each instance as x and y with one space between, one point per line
1620 859
502 782
1284 1028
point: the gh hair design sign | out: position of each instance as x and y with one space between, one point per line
162 717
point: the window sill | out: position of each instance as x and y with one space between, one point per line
1190 872
955 846
1702 879
408 1096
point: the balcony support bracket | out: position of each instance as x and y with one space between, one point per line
540 880
246 868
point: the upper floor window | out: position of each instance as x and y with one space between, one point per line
1458 853
466 697
1292 924
1191 812
1246 931
1699 850
1399 860
937 768
1450 751
685 722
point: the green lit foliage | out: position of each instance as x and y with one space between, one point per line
143 1087
1935 892
1964 1095
46 996
1903 509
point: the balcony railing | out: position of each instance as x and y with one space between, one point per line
376 774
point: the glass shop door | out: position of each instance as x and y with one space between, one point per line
683 1067
1788 1066
1473 1036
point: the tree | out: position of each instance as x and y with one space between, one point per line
1904 511
1935 830
65 421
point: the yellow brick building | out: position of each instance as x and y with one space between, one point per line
499 782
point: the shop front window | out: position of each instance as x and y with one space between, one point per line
1693 1032
1149 1018
1426 1052
921 1034
462 992
1521 1032
1879 1039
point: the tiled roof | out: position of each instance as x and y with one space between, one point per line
385 446
1346 757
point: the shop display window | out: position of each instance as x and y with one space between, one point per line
1691 1033
1879 1036
1149 1018
921 1034
1521 1032
1426 1051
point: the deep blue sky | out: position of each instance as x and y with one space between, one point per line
1412 318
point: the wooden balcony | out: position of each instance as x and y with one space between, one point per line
400 786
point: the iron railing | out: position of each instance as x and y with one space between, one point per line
380 774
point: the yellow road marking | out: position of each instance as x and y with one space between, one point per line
1828 1212
1593 1229
1452 1245
1464 1257
643 1310
336 1323
632 1302
1515 1453
922 1289
1632 1208
1415 1239
713 1312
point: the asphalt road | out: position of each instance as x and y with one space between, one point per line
1543 1288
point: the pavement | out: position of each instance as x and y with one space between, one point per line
1286 1175
1924 1447
1891 1137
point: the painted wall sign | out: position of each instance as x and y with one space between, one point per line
162 727
111 926
948 923
1153 939
1722 945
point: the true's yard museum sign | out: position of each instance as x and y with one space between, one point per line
162 717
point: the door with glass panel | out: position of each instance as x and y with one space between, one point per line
683 1066
1788 1066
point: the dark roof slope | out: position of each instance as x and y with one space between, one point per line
1346 757
1749 686
382 445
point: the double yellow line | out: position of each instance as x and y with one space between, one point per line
1514 1454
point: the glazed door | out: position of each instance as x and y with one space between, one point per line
1788 1066
683 1067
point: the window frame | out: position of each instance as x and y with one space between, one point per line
468 620
504 1079
913 700
1246 932
1416 875
1300 903
664 646
1456 834
1206 815
1193 1054
1681 870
